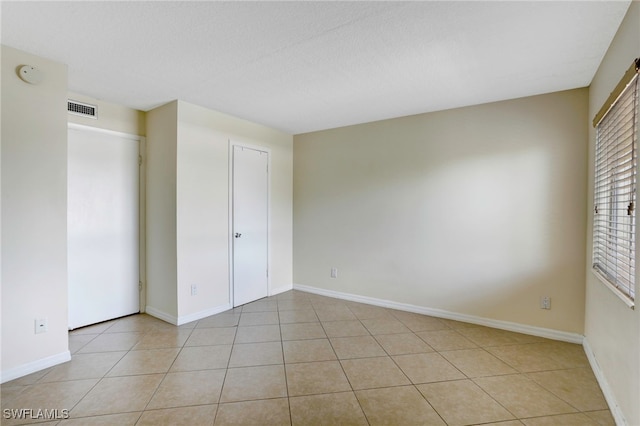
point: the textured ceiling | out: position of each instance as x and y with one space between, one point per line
305 66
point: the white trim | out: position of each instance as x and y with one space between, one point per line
157 313
231 145
440 313
142 202
202 314
75 126
34 366
616 412
625 299
171 319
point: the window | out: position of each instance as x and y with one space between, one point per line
616 163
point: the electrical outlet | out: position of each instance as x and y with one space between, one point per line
41 325
545 302
194 290
334 272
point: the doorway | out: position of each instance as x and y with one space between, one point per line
250 224
103 225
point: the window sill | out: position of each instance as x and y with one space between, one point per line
627 301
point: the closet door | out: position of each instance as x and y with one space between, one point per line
250 224
102 226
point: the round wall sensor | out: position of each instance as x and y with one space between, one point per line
30 74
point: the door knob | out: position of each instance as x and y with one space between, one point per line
238 235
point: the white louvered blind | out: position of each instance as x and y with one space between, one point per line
616 165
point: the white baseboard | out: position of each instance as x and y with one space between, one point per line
171 319
614 407
32 367
157 313
203 314
440 313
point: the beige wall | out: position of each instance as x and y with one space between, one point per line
34 215
188 201
612 330
160 162
113 117
477 211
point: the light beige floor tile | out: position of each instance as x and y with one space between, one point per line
308 350
402 405
51 396
118 395
84 366
356 347
349 328
384 326
29 379
363 312
527 357
211 336
201 415
523 397
328 303
446 340
542 356
457 325
202 358
138 323
123 419
558 380
250 383
268 412
402 343
160 339
328 409
78 341
258 318
113 342
250 354
569 355
302 331
9 392
93 329
477 363
263 305
577 386
337 313
188 388
462 402
427 368
294 305
416 322
577 419
220 320
293 295
369 373
298 316
602 417
485 336
148 361
310 378
258 333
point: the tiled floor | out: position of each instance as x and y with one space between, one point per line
304 359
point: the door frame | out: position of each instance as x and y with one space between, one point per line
242 144
142 236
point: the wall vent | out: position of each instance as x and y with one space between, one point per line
83 110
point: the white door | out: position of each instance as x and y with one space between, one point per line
250 224
102 226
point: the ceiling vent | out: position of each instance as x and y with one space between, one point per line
83 110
